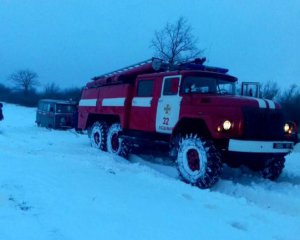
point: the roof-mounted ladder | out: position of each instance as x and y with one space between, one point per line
153 63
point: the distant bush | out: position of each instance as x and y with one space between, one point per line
52 91
72 93
5 93
29 100
31 97
270 90
290 103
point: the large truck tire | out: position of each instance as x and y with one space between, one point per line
115 144
98 135
198 161
273 168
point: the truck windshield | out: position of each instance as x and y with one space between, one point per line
64 108
207 85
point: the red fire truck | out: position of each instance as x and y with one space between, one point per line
193 110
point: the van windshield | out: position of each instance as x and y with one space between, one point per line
207 85
65 108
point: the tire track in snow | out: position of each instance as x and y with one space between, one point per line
281 196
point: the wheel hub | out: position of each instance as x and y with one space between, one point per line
115 141
96 138
193 159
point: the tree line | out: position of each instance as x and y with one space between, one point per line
289 99
24 92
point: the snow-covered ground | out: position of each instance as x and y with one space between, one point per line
53 185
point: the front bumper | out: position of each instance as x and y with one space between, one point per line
249 146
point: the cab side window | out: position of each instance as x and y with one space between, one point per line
145 88
40 106
48 107
44 107
51 107
171 86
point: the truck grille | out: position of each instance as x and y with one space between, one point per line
263 124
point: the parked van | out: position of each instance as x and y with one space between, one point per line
58 114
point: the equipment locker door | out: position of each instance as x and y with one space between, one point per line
141 106
168 107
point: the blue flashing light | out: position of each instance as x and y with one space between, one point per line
194 66
216 69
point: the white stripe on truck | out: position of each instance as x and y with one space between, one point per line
141 102
88 102
270 103
261 103
113 102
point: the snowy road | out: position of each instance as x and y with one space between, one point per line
53 185
242 183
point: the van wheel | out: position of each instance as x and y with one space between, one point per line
115 144
198 161
273 168
98 135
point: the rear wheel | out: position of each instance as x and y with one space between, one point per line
198 161
115 144
98 135
273 168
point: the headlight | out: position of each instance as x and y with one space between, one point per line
289 128
227 125
286 127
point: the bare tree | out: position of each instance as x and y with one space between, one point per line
73 93
25 79
52 90
270 90
175 42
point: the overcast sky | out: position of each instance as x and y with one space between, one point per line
68 42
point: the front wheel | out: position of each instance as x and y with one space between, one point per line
198 162
115 144
273 168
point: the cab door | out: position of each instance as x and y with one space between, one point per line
40 114
49 115
168 107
